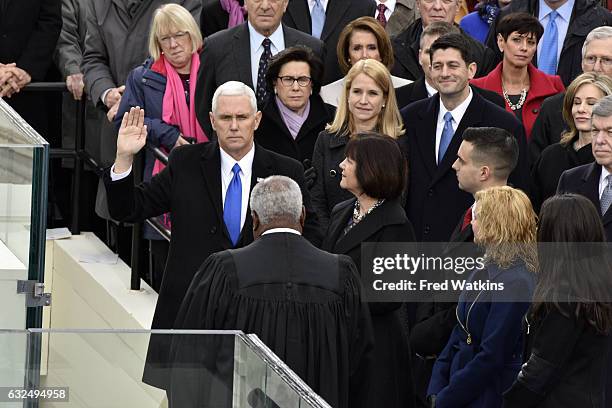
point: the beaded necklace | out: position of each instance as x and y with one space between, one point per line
358 217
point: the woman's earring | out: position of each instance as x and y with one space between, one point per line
383 105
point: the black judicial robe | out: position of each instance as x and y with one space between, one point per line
303 303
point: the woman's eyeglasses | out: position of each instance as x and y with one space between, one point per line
302 81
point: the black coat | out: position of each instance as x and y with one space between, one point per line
565 367
584 180
417 91
586 15
548 126
190 188
390 379
326 191
555 159
337 15
406 51
434 202
226 56
213 18
273 134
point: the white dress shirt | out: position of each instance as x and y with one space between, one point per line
275 230
278 44
431 91
603 183
311 4
457 114
246 170
562 20
390 4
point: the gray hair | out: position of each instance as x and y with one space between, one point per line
277 197
603 108
234 88
599 33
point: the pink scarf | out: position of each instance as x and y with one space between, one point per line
235 10
174 107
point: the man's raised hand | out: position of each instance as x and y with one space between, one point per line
132 137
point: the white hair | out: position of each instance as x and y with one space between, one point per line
277 197
603 108
234 88
599 33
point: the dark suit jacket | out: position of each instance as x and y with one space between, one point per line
587 15
190 188
434 201
406 51
390 379
416 91
584 180
213 18
547 127
274 135
338 14
226 56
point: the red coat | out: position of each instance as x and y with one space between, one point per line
541 87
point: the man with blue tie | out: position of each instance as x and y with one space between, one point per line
566 24
206 189
434 128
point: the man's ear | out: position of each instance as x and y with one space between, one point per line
303 217
256 222
485 173
257 119
472 70
212 120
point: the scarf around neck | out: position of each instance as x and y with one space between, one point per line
293 120
235 10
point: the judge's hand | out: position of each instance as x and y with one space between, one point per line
113 96
131 139
180 141
75 85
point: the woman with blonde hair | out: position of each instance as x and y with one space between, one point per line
164 86
484 353
367 104
574 149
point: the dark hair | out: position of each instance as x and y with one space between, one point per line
297 53
457 41
494 147
523 23
574 270
438 29
370 25
382 170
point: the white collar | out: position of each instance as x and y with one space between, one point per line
246 163
275 230
459 111
256 38
565 11
390 4
431 91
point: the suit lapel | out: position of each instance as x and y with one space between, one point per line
242 54
335 10
210 164
406 56
420 91
426 136
591 190
300 14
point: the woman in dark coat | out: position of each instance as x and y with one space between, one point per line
292 120
374 172
574 149
571 317
484 353
367 104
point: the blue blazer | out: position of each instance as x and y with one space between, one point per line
476 374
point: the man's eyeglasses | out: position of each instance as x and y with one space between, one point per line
592 60
302 81
178 36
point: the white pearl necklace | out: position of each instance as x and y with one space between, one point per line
521 101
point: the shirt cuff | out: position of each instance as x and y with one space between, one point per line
119 176
103 97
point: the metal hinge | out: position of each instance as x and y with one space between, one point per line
35 293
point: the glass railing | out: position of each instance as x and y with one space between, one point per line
104 368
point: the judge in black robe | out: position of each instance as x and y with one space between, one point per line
303 303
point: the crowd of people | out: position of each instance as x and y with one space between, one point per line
297 130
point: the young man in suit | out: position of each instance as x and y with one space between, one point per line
206 189
242 53
423 87
594 180
302 302
485 159
325 19
434 127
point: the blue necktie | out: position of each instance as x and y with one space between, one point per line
447 136
232 208
318 19
547 60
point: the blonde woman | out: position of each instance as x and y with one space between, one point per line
367 104
484 353
164 86
574 149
